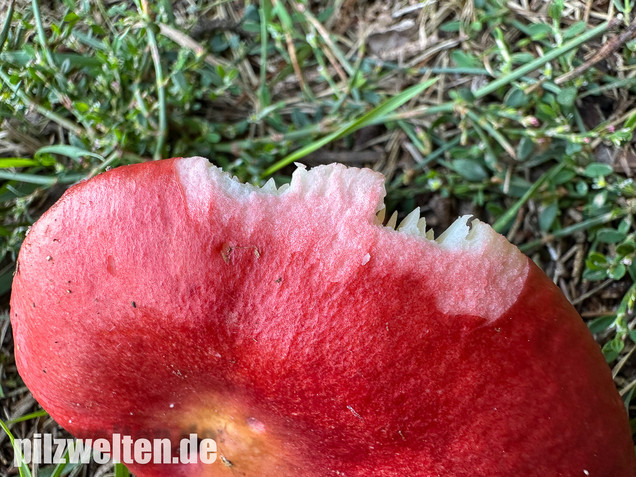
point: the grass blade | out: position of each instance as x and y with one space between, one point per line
7 162
7 24
565 231
121 471
28 417
73 152
161 92
22 58
23 468
506 218
265 15
41 180
41 33
61 467
375 115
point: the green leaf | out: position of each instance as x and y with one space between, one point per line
81 106
462 94
594 275
632 270
563 177
555 10
567 96
574 30
600 324
598 169
470 170
608 235
613 348
617 272
71 17
581 188
521 58
525 148
451 26
545 112
624 226
465 60
572 148
596 261
626 248
547 216
630 123
516 98
539 31
73 152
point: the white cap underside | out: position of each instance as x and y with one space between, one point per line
497 267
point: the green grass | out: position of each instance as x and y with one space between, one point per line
481 116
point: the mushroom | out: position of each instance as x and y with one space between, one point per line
166 299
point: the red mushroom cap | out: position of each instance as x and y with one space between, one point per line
303 336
